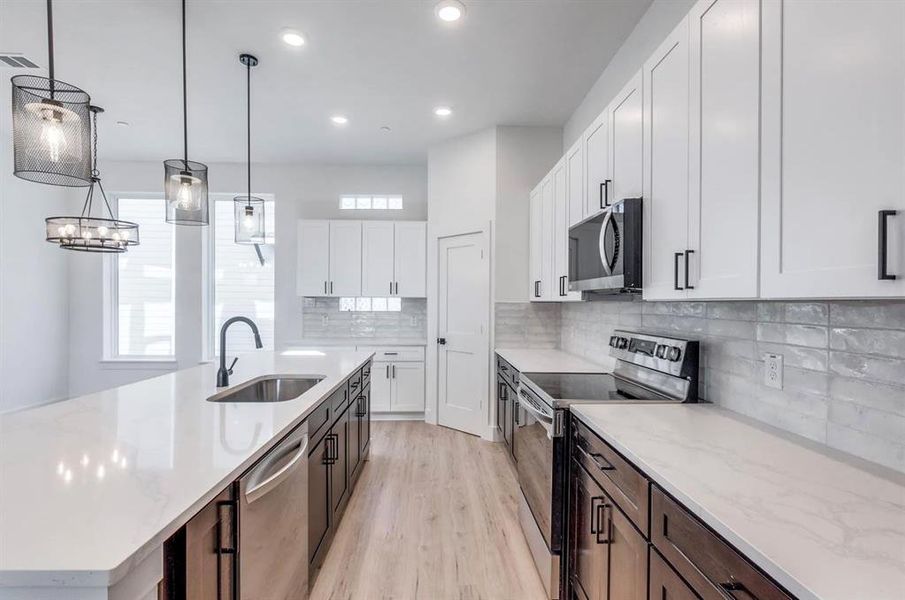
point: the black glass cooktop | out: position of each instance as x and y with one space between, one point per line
587 387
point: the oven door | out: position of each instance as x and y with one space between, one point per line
596 249
534 440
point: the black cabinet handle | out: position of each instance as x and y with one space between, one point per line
537 289
391 288
688 254
394 371
388 371
676 258
325 287
397 288
331 287
600 524
226 525
604 192
731 587
562 286
883 243
515 408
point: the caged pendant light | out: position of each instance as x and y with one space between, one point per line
51 126
248 209
185 181
87 233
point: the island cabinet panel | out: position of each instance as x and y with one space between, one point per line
319 508
665 584
210 551
589 553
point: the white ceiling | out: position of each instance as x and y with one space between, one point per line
509 62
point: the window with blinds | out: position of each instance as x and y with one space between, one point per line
144 295
242 285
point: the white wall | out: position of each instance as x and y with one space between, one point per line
660 19
301 191
34 282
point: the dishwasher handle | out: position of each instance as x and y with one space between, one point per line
261 489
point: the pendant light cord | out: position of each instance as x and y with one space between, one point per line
248 124
50 45
185 105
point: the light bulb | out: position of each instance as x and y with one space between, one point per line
187 193
86 234
124 234
54 139
248 223
69 228
102 231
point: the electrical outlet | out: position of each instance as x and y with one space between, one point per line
324 319
414 321
773 370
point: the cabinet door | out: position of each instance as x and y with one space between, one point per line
377 258
339 469
575 182
501 406
559 287
833 148
408 387
666 167
548 287
354 454
588 545
319 509
627 142
597 165
628 557
313 259
535 242
345 258
209 574
665 584
381 387
411 259
364 422
724 148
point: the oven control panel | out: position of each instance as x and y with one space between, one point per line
674 356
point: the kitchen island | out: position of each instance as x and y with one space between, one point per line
91 487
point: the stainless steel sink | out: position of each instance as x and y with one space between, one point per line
270 388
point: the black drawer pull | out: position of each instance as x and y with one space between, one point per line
731 587
598 460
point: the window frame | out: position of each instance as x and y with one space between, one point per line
111 357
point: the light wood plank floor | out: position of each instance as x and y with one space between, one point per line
433 517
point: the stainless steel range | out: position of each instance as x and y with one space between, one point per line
648 369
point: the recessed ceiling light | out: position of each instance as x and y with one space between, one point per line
292 37
122 123
443 111
385 129
450 10
339 119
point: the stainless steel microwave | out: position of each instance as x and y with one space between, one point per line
605 249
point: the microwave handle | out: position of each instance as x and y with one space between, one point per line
604 260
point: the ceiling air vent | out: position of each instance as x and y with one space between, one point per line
16 61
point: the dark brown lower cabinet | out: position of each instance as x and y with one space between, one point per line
608 556
339 470
319 507
203 554
665 584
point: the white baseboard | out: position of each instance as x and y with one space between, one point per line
416 416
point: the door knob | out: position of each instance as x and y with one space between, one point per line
441 341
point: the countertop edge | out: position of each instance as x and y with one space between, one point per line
109 577
767 565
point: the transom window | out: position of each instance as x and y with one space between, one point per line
370 202
365 304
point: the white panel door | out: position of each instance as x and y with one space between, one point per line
833 148
666 167
560 283
408 387
725 145
463 313
627 142
535 242
548 215
377 258
345 258
411 259
313 259
597 165
381 387
575 182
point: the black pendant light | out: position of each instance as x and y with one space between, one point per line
185 181
87 233
51 127
249 210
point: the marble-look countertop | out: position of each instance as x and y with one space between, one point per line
547 360
822 524
91 486
354 342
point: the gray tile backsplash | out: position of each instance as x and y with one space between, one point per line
321 318
526 325
844 362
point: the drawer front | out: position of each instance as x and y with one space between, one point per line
665 584
396 353
317 422
338 401
712 567
365 375
355 384
624 483
507 371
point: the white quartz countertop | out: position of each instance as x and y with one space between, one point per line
528 360
823 525
355 342
92 485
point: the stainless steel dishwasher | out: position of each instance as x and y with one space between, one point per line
273 522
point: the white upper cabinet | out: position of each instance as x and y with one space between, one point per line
666 167
627 142
560 283
410 259
833 148
575 183
724 149
345 258
313 260
535 242
548 288
377 254
596 165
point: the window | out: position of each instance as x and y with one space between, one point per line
243 280
370 304
370 202
143 310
